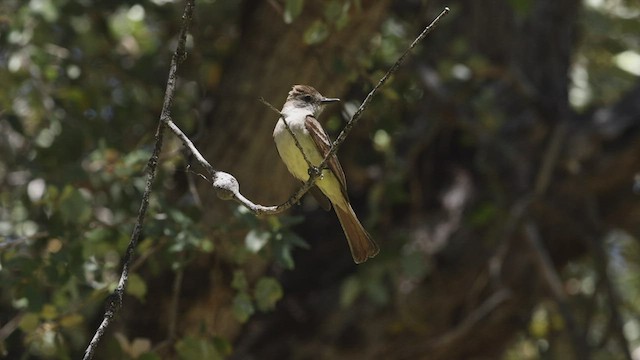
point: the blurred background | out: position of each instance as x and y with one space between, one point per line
498 170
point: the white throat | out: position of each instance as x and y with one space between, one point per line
297 107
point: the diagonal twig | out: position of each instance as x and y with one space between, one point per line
467 327
114 301
601 259
286 125
356 116
226 186
552 279
314 175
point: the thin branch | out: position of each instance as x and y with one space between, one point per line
314 175
227 186
544 263
470 325
189 144
512 223
10 326
554 283
467 326
14 241
354 119
114 301
286 125
551 155
521 207
193 190
175 302
602 264
174 305
595 237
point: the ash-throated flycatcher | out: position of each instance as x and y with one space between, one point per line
303 104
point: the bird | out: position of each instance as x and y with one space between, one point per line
300 111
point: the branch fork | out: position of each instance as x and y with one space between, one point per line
225 185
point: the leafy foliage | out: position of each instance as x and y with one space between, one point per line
82 87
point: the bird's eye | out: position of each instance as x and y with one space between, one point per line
307 98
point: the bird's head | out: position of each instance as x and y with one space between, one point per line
305 96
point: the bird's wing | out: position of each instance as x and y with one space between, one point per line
321 198
323 143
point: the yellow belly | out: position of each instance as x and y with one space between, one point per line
296 164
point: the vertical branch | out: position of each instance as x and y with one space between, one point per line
554 283
175 302
617 323
114 301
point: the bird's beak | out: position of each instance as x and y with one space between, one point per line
329 100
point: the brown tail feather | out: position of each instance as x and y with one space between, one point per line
360 242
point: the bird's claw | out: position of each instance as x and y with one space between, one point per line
315 172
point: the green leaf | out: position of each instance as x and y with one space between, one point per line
137 158
46 8
521 7
136 286
351 289
71 320
74 208
377 292
223 346
282 254
289 221
180 217
239 281
246 216
29 322
49 312
207 246
483 214
292 9
192 348
149 356
98 242
414 265
98 234
337 13
243 307
316 33
267 293
296 240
